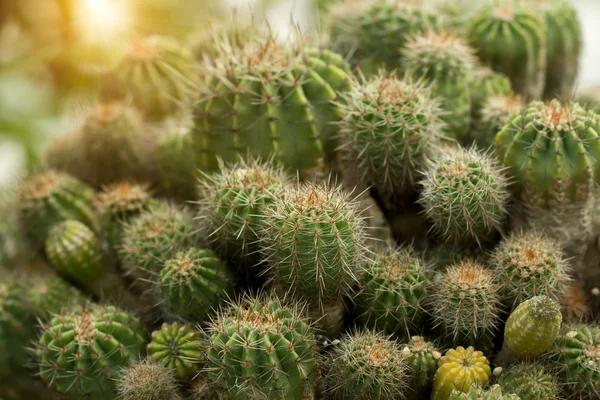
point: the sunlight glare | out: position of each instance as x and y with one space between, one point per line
103 19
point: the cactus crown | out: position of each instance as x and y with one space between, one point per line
443 51
543 308
122 198
147 380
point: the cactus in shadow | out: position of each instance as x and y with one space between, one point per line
422 359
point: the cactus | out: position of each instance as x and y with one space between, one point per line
530 381
394 290
233 204
458 370
447 65
478 393
193 284
464 195
48 198
158 74
178 347
465 302
81 352
552 152
153 237
564 41
147 380
529 264
487 84
17 326
260 346
422 358
510 36
390 130
575 358
372 31
493 117
575 304
530 329
367 365
51 295
268 99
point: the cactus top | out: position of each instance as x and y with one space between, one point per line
459 369
147 380
552 151
122 198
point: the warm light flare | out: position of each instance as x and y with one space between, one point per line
99 20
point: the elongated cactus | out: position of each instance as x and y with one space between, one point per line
260 346
193 284
447 65
510 36
530 329
464 195
390 130
478 393
266 99
50 197
147 380
494 116
421 358
458 370
367 365
81 352
530 381
178 347
394 289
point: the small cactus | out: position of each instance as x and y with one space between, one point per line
260 346
510 36
464 195
530 381
494 115
530 329
394 288
446 64
478 393
193 284
459 370
178 347
81 352
367 365
147 380
421 358
575 303
486 84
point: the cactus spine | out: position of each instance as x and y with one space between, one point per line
147 380
478 393
178 347
458 370
530 381
421 358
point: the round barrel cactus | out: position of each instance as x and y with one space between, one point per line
458 370
530 381
147 380
178 347
422 359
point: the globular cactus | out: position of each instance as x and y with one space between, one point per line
564 42
575 303
528 265
81 352
269 99
49 295
153 237
48 198
494 116
158 74
390 129
530 329
178 347
421 358
458 370
372 32
486 84
465 303
394 289
552 154
17 325
478 393
147 380
575 358
530 381
193 284
510 37
260 347
464 195
233 204
367 365
446 64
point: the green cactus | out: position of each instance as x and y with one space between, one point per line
80 353
564 41
49 295
394 288
465 303
261 346
372 31
493 117
178 347
158 74
147 380
530 381
48 198
529 264
193 284
153 237
422 358
390 130
458 370
17 326
367 365
575 358
464 195
488 83
447 65
530 329
510 36
478 393
266 99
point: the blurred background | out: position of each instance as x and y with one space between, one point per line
52 51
